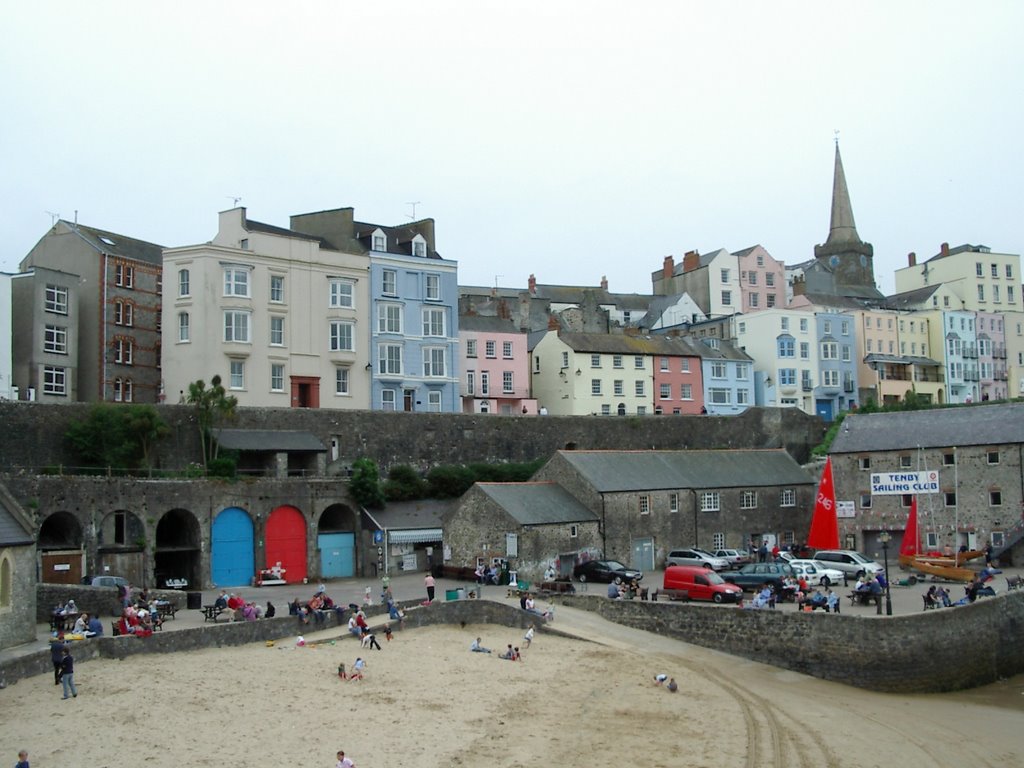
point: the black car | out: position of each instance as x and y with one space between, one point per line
605 570
756 575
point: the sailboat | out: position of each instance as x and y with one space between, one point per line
942 566
824 533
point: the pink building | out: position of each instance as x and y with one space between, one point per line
495 367
678 382
762 279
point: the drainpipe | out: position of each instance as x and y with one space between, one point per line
103 331
696 513
604 532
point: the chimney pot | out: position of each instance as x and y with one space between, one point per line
945 249
604 282
532 284
912 259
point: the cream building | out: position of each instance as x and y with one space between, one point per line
982 280
282 318
897 353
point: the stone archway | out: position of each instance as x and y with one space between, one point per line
336 541
178 549
62 555
121 547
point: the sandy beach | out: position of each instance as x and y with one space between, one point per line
428 701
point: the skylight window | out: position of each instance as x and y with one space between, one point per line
107 240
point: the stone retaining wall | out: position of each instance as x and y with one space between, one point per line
928 652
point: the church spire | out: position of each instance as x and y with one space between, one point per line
842 228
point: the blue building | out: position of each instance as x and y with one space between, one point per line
728 374
414 331
836 387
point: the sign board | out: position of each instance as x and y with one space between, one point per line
846 509
62 567
378 537
904 483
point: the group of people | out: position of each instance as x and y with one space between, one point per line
63 667
668 682
937 597
814 599
242 609
511 653
620 590
529 604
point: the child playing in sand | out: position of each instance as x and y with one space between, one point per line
357 669
341 671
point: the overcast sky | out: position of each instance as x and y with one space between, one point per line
566 139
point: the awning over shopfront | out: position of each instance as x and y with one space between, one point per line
415 536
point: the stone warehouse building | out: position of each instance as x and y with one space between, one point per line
531 525
977 452
645 503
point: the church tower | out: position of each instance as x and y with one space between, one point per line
849 258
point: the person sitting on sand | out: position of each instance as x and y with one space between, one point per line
507 654
672 687
477 648
516 656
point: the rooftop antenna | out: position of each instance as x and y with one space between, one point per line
235 200
413 204
496 280
53 217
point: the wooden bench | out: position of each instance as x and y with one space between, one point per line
557 588
166 610
211 612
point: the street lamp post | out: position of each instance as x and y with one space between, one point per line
884 537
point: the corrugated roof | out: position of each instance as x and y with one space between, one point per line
935 428
609 471
276 440
537 503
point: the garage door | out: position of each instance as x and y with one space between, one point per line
286 542
232 544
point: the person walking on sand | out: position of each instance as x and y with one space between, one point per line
343 762
428 582
67 673
22 760
528 637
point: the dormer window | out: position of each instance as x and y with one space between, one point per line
380 241
419 247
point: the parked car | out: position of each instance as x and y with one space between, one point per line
852 563
109 581
691 582
696 557
816 573
737 558
605 570
755 575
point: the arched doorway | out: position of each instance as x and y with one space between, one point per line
286 542
121 547
60 548
231 545
336 540
176 556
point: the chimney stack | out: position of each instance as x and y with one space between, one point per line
668 268
604 282
532 285
691 261
912 259
945 249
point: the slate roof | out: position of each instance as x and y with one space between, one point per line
617 471
398 238
118 245
537 503
14 531
410 515
910 299
874 357
486 323
630 345
270 229
264 440
965 248
1001 424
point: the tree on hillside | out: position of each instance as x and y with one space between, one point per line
364 485
119 436
213 406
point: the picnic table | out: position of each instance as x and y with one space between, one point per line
59 622
165 609
211 612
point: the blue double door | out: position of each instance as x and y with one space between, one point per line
232 552
337 555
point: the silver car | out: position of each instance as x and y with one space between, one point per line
696 557
816 573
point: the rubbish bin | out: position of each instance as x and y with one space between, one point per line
194 600
451 594
460 593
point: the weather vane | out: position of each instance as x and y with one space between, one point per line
836 134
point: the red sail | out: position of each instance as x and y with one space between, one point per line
909 545
824 525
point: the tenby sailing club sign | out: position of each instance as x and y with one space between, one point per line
903 483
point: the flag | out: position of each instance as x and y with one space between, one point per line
824 525
909 545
